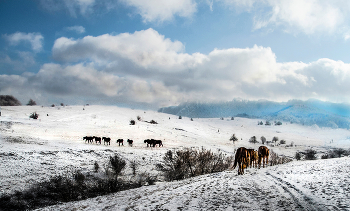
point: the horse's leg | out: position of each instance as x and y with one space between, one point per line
267 160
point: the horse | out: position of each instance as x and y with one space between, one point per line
106 140
263 154
242 159
149 142
88 139
97 139
255 159
120 141
251 153
159 142
130 142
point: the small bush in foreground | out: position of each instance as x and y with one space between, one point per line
71 187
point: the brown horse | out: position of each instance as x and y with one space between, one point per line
251 156
255 158
263 153
120 141
242 158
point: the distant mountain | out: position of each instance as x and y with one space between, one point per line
310 112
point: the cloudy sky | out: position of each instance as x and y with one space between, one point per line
164 52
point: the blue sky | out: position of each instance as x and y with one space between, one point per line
159 53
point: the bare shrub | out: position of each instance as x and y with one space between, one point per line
253 140
31 102
275 159
283 141
117 164
134 167
275 139
310 154
132 122
297 156
138 118
96 167
263 139
34 115
187 163
233 138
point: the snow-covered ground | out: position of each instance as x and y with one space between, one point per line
34 150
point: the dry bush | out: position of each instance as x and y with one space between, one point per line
275 159
181 164
34 115
310 154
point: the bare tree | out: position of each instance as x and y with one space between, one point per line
233 138
275 139
31 102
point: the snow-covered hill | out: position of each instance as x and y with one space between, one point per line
323 114
35 150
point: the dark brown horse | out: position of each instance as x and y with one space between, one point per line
155 142
130 142
106 140
149 142
242 158
120 141
88 139
263 153
97 139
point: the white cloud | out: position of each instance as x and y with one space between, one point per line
147 68
77 29
35 39
309 17
145 48
163 10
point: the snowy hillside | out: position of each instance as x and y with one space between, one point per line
323 114
35 150
309 185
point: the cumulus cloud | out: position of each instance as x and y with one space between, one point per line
77 29
145 48
35 39
147 68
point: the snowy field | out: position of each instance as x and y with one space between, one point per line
34 150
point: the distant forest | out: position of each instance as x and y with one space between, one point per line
9 100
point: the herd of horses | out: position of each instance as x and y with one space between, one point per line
107 141
244 158
250 158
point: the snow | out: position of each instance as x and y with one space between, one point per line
34 150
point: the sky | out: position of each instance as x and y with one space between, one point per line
160 53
